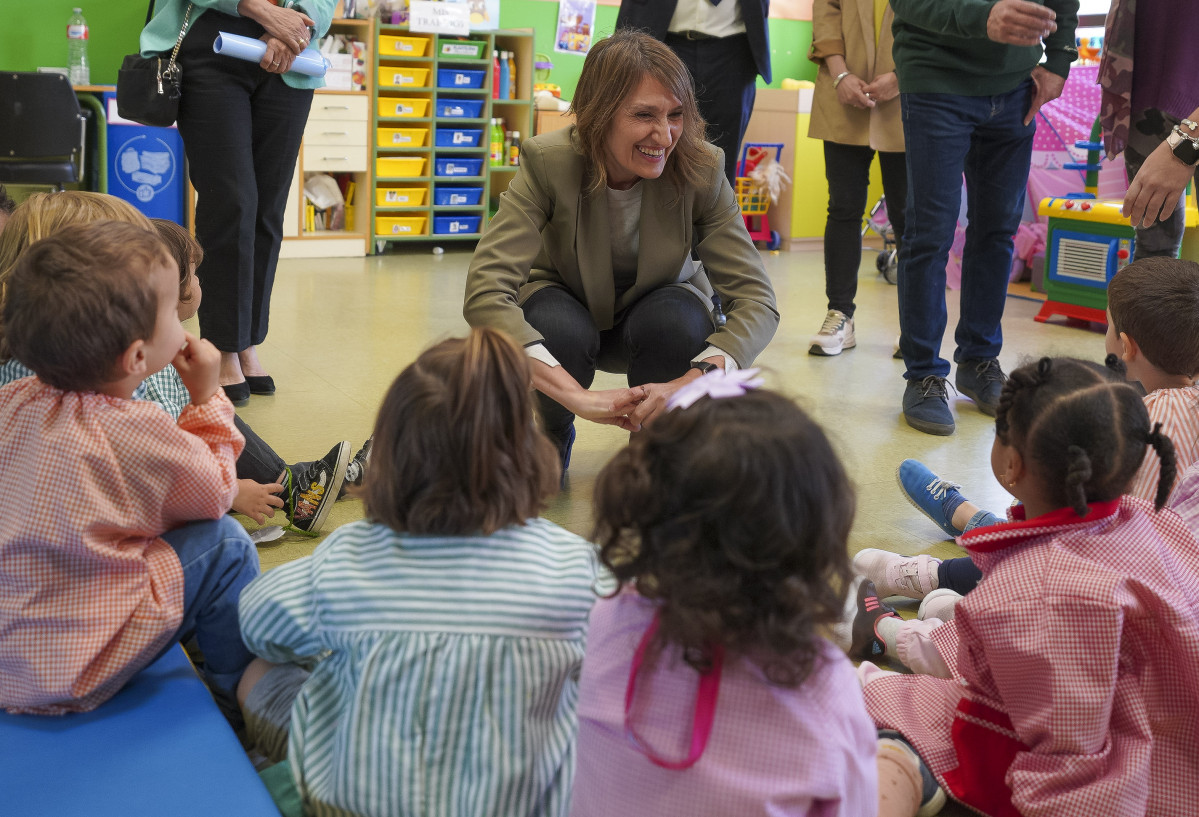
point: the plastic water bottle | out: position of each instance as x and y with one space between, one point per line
77 66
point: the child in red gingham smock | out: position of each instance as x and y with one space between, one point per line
1153 328
1074 664
99 569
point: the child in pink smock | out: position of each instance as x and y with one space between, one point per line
1073 667
707 688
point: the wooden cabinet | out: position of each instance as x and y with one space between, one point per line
337 140
432 112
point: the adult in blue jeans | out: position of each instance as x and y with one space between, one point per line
970 86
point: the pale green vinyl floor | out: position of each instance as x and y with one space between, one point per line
341 329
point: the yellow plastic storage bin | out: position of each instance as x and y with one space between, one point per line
403 137
407 225
402 106
400 166
392 76
400 196
403 46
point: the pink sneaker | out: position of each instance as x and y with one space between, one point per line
896 575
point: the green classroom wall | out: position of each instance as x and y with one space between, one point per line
34 34
789 41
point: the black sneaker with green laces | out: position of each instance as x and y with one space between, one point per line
309 491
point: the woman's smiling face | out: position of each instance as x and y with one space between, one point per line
643 134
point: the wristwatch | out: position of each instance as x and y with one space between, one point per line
1184 146
704 366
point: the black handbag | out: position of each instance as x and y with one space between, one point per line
148 88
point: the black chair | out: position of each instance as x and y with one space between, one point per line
41 130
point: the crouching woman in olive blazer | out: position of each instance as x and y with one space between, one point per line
588 260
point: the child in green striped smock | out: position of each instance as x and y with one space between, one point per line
444 633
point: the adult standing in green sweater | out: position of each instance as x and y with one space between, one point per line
971 80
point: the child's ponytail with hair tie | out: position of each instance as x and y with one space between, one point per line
1169 467
1078 474
1017 382
1115 364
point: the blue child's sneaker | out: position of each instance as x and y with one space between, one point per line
936 498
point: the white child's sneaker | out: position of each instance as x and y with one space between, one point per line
940 603
896 575
835 335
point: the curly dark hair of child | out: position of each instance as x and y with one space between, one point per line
1081 429
457 447
733 516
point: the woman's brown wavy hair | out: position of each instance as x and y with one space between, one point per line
613 69
457 446
733 516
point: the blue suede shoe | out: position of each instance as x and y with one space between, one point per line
934 497
926 406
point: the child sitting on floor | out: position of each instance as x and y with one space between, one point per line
1153 328
448 627
102 560
1070 675
305 491
707 688
43 215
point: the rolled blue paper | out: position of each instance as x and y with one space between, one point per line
309 62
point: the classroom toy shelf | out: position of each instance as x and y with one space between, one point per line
432 108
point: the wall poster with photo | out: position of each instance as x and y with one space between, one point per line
576 26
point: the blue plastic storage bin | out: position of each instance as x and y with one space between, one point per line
458 196
453 225
458 137
460 78
460 108
458 166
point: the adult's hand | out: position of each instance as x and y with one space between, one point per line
851 91
1019 22
610 406
1047 86
278 57
1155 191
290 27
607 406
884 88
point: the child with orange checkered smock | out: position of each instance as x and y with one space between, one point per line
119 545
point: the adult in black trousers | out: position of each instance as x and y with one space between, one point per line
726 46
241 124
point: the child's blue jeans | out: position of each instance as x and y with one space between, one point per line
218 560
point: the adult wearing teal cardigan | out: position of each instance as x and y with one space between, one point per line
241 124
